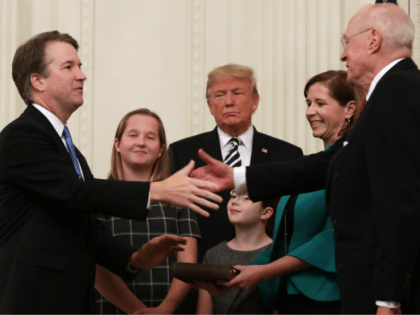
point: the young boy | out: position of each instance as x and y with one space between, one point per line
251 221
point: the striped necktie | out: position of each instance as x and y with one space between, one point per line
72 151
233 158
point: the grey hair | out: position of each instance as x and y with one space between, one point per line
229 71
395 26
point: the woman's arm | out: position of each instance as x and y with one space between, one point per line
205 303
253 275
113 288
178 290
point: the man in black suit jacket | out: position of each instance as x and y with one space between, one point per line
373 177
48 249
232 98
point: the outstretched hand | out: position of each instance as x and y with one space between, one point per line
182 191
156 250
385 310
215 171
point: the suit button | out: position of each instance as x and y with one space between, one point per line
336 176
339 266
334 223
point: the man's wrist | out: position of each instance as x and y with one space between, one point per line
239 179
388 304
156 192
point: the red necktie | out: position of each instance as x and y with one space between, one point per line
362 106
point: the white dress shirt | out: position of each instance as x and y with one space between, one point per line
379 76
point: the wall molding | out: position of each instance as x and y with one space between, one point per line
87 55
195 69
414 9
8 44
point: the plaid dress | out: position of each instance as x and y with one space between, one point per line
150 286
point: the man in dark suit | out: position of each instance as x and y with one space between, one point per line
232 98
48 249
373 177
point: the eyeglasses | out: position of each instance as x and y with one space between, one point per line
345 39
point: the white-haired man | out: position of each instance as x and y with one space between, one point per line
373 178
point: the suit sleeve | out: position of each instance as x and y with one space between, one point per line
173 158
31 161
393 164
302 175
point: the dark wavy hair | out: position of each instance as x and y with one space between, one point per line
342 91
30 58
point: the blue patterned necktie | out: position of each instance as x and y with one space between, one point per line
72 150
233 158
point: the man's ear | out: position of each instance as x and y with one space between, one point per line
267 213
255 101
375 41
38 83
210 105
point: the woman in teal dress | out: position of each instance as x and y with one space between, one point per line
298 275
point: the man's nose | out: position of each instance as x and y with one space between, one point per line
229 99
81 76
343 56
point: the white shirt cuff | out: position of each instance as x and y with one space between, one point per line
388 304
239 178
148 201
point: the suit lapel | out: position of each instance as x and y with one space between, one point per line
45 123
85 167
211 144
260 149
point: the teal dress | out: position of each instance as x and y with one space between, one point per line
313 242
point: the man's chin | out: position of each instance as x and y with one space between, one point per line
78 104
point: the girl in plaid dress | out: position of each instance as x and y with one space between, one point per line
140 154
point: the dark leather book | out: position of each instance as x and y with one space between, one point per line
189 272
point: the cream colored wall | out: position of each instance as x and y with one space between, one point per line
156 54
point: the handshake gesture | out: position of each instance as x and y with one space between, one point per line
187 187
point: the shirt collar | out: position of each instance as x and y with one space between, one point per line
55 122
246 137
379 76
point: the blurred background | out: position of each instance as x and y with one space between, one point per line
157 53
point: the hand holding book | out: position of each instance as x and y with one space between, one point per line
195 273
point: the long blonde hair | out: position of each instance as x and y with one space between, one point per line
160 168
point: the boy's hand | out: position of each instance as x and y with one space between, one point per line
211 288
249 277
